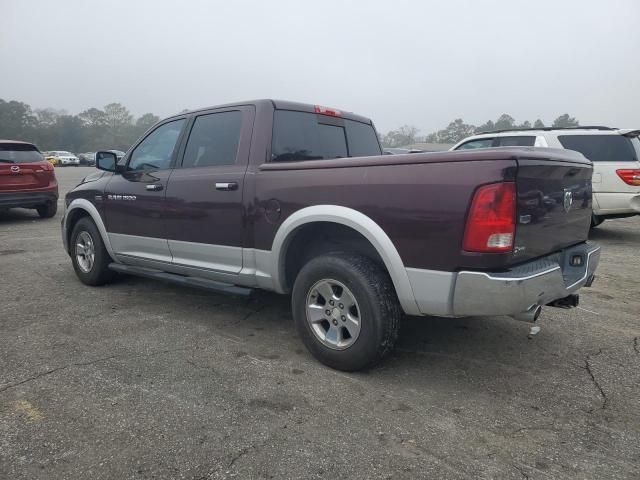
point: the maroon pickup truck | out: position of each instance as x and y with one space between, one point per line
299 199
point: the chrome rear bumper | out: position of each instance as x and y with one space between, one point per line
534 283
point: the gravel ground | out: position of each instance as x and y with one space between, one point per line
141 379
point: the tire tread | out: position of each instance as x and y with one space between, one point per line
377 284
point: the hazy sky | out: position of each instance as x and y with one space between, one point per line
399 62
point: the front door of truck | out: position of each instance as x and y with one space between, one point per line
134 201
205 211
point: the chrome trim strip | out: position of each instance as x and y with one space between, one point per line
512 279
140 247
249 276
221 258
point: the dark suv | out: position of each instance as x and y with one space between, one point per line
27 180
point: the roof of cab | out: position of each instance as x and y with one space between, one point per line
280 105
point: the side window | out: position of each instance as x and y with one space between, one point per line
479 143
156 150
362 139
213 140
520 141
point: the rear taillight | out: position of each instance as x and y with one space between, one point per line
630 176
491 222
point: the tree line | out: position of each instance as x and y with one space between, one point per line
458 129
113 127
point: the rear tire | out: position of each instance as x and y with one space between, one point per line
48 210
361 325
89 255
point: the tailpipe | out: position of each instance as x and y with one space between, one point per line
530 315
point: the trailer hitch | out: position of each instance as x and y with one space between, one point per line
570 301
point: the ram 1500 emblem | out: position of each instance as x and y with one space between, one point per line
121 197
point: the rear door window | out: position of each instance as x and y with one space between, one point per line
517 141
19 153
601 148
478 143
301 136
213 140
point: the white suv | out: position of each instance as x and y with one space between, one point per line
615 154
66 158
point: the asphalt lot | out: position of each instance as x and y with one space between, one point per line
141 379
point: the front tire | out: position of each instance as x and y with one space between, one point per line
89 255
48 210
346 310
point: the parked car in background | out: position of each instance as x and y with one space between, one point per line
65 158
53 160
266 194
27 180
88 158
615 154
400 151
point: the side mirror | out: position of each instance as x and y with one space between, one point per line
107 161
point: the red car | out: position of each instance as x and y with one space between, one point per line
27 180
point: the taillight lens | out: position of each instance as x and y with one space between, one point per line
630 176
46 166
491 222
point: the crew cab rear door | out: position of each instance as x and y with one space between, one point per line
205 210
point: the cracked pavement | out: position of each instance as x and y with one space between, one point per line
141 379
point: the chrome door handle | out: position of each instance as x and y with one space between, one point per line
156 187
226 186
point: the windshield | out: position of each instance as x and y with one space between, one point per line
19 153
601 148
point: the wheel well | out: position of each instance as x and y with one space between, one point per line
317 238
72 218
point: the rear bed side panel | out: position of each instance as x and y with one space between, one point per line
422 207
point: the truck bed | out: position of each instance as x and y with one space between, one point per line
421 200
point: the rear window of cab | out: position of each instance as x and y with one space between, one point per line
19 153
299 136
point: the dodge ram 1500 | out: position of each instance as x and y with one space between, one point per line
299 199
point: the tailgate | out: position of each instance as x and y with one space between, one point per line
554 203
